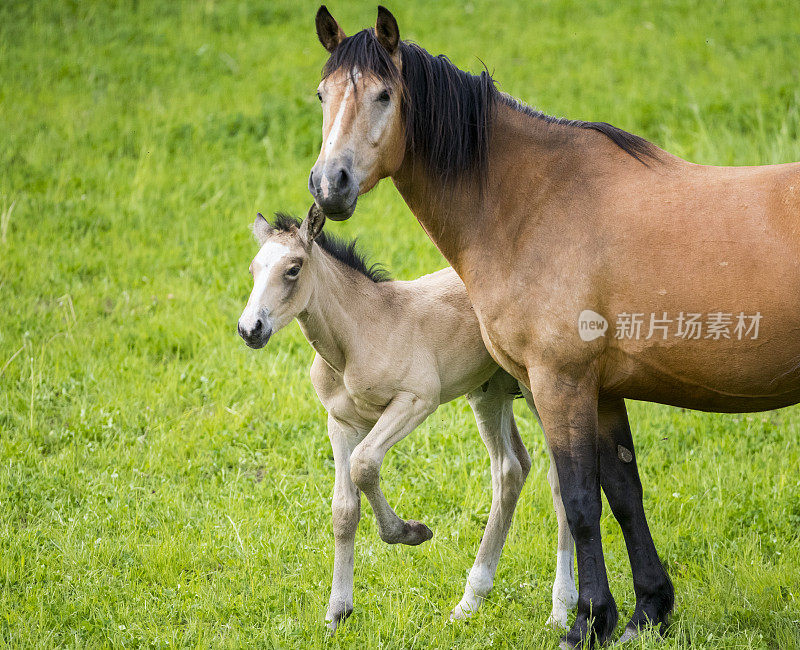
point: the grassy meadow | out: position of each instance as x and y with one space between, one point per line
163 485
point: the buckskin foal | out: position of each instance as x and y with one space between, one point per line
388 354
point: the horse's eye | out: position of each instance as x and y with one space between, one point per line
293 272
319 95
384 97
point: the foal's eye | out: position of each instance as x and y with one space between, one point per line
293 272
319 95
384 97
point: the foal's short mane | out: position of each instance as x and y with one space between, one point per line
448 112
346 251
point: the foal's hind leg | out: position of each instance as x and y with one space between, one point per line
619 478
346 508
565 595
510 465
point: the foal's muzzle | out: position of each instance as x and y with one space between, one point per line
257 336
334 189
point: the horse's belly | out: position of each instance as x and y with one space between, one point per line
734 377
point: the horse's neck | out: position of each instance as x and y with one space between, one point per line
337 311
524 153
445 216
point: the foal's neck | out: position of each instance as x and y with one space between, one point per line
340 305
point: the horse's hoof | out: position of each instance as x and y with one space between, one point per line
633 633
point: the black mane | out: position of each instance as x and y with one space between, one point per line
343 250
631 144
447 111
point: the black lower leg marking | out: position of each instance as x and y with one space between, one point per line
619 477
596 613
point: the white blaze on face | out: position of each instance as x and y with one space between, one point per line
336 128
269 255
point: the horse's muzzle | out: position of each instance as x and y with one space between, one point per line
335 191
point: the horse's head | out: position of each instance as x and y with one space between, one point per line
282 283
363 133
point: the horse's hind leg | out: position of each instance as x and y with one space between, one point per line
510 464
619 478
565 595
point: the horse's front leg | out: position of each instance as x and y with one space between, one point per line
403 414
619 477
565 595
346 509
568 407
510 464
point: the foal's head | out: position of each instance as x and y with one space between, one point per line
363 137
282 283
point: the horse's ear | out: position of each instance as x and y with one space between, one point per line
386 30
328 30
261 228
312 224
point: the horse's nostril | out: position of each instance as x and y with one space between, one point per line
311 187
344 179
257 327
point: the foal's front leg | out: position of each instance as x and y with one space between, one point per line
403 414
346 508
565 595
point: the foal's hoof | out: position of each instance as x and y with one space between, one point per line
465 609
558 619
416 532
334 618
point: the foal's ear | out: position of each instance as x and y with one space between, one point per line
261 228
312 224
328 30
386 30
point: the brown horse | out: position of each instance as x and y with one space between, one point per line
556 228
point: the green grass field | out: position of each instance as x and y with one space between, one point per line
163 485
